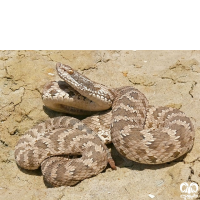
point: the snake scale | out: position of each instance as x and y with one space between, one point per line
69 150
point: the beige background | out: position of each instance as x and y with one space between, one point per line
167 78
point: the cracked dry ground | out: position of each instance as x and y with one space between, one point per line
167 78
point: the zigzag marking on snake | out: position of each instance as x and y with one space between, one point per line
69 150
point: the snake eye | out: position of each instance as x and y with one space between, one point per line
70 71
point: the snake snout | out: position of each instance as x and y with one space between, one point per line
58 65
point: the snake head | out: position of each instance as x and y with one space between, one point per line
65 68
72 77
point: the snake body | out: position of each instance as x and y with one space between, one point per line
69 150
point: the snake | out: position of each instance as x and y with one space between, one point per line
69 150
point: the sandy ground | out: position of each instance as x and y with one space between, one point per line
167 78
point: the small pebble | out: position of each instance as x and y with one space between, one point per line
151 196
51 74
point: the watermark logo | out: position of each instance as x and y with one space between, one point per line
189 191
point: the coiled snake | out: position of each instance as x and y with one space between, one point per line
69 150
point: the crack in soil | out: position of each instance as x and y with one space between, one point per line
192 88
